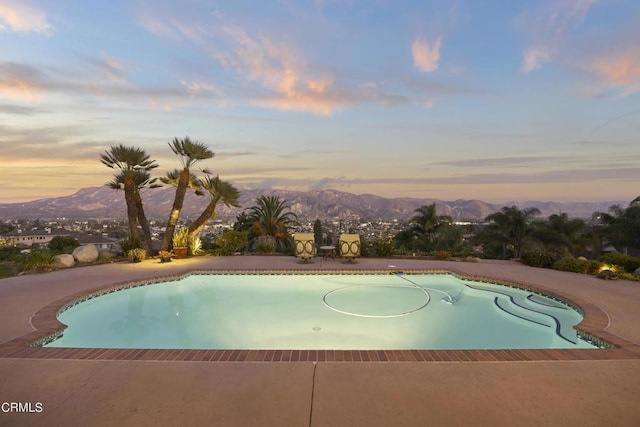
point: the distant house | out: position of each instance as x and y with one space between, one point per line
102 242
43 237
31 237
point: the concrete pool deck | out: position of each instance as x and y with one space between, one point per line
539 391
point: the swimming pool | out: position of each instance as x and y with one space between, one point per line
321 311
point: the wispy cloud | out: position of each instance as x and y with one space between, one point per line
112 68
165 23
19 81
548 27
20 16
504 161
557 176
28 83
426 55
534 57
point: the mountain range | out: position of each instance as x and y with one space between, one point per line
103 202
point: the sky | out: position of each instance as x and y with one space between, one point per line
491 100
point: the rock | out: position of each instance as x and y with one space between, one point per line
63 261
86 253
581 258
607 275
637 272
472 259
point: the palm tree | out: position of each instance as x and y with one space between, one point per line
510 226
220 191
271 217
622 226
560 231
427 222
190 153
129 161
142 180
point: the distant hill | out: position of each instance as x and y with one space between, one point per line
103 202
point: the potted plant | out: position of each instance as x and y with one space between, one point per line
181 242
137 254
165 256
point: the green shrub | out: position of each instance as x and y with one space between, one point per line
593 266
539 259
7 270
265 244
571 264
232 241
8 253
130 243
380 248
63 244
40 259
137 254
627 263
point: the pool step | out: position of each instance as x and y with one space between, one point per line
535 310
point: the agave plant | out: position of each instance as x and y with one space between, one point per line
181 238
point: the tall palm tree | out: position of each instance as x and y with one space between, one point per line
511 226
142 180
220 191
272 217
427 222
129 162
190 153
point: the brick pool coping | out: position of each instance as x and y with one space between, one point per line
44 321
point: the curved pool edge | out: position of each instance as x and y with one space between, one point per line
47 327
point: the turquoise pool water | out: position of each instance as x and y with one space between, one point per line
332 311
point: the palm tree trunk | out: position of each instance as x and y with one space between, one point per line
205 216
132 214
144 223
174 215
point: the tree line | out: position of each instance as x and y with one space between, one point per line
510 231
269 223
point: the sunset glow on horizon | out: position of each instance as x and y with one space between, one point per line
492 100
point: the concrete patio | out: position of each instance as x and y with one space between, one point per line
86 391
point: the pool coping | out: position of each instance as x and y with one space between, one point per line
46 327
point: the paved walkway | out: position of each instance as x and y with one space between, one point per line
141 392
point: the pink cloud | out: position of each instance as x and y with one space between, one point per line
426 55
280 69
621 69
20 16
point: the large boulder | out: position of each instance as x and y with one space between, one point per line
63 261
86 253
637 272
